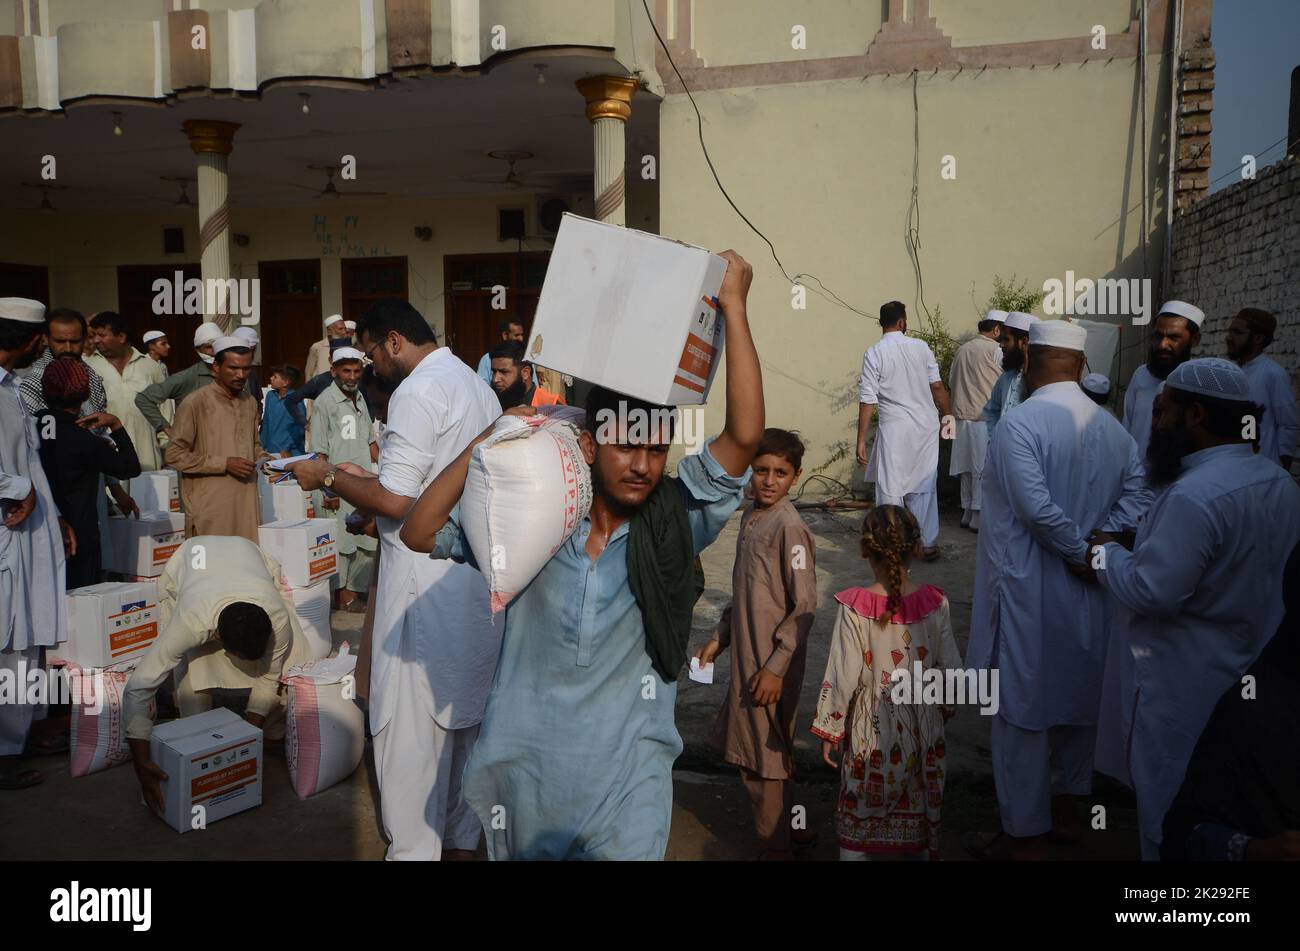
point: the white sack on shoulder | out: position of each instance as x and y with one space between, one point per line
527 490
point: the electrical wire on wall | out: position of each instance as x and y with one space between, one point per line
912 233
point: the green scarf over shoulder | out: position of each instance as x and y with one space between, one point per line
664 576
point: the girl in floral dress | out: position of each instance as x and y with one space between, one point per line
892 754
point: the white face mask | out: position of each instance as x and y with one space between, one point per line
206 358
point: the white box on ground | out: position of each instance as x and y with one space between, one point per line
285 501
312 605
307 548
141 546
212 760
110 623
631 311
156 491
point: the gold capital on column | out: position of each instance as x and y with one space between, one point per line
210 135
608 97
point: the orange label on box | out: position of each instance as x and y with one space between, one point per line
175 505
320 567
132 639
213 783
162 552
697 357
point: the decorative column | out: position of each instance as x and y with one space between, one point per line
609 105
211 141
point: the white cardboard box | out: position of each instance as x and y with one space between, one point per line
307 549
110 623
156 491
212 760
285 501
631 311
312 605
140 547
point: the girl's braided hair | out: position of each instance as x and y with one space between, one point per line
890 534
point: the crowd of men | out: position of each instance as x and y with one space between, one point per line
1129 573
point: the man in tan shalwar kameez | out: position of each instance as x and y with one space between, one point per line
214 446
774 597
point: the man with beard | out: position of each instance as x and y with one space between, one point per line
512 329
575 760
66 339
434 645
215 449
1059 467
1176 332
512 378
1202 584
1250 332
1008 391
32 589
975 371
342 431
318 355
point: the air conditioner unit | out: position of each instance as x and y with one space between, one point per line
551 208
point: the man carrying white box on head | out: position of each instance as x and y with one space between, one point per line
227 624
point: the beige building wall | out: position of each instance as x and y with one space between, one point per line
83 252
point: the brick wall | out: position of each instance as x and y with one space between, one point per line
1241 248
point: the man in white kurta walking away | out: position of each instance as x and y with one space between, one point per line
975 371
434 647
901 377
32 612
228 624
1059 466
1008 391
1202 585
1250 332
1174 335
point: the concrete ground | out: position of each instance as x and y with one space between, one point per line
100 816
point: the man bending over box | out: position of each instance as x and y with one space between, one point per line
574 760
227 624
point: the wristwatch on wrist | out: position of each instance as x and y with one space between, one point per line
328 481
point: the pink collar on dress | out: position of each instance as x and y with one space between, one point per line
920 604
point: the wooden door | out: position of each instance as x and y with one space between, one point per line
135 297
25 280
369 280
473 324
291 312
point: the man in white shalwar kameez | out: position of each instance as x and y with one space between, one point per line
1174 334
32 603
1058 467
975 371
901 377
201 647
1202 585
1249 334
1007 391
434 647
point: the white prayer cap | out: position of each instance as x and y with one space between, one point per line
1096 383
1180 308
1018 320
206 334
998 315
151 335
332 320
350 324
1211 376
22 309
228 343
247 333
345 353
1062 334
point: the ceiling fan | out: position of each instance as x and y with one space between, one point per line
331 190
513 180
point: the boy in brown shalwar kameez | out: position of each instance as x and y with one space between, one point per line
774 596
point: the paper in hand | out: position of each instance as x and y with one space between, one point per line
701 675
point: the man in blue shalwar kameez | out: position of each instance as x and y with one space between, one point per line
574 759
